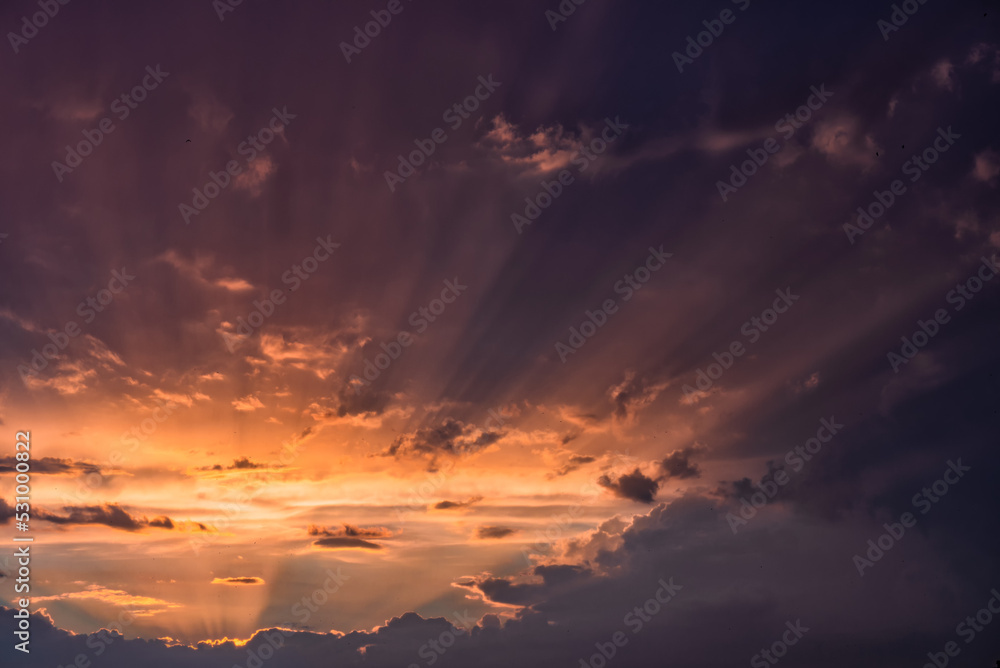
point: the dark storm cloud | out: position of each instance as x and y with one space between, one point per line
361 401
634 486
679 465
631 574
558 619
656 184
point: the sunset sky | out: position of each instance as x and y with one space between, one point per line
497 321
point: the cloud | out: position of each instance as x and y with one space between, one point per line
678 465
238 581
987 166
545 150
75 376
248 403
348 536
451 437
574 463
239 464
109 514
346 543
253 177
943 74
202 270
52 466
844 143
452 505
633 394
633 486
545 582
319 353
488 532
142 606
350 530
364 401
211 115
162 522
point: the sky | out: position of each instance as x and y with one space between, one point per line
529 333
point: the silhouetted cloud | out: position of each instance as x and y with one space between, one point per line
487 532
451 437
679 465
348 536
51 466
109 514
452 505
239 581
634 486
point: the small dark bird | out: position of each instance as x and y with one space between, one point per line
188 141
